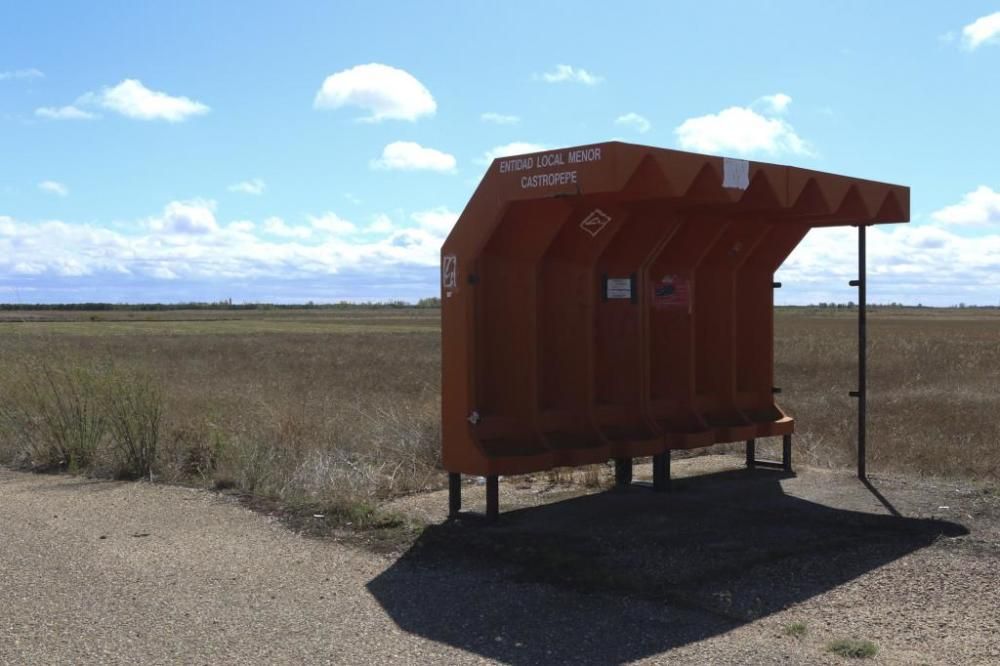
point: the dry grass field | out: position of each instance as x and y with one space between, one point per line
933 381
308 407
340 408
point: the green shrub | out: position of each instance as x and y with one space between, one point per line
854 648
796 629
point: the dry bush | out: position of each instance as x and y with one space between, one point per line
54 416
350 453
588 476
134 408
79 415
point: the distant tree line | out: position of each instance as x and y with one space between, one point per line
432 302
851 304
222 305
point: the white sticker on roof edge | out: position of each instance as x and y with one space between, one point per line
735 173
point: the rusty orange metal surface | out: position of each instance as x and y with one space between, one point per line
616 300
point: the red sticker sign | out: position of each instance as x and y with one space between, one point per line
671 291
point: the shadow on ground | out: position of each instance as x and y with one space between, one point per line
719 551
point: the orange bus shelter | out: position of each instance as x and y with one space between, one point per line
612 301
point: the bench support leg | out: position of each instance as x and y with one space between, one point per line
492 498
661 472
454 493
623 472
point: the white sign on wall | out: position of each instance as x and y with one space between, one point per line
619 288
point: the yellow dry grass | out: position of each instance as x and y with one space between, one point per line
321 406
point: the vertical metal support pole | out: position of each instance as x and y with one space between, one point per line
786 452
751 453
862 393
862 351
661 472
454 493
492 497
623 472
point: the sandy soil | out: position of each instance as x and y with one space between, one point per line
713 572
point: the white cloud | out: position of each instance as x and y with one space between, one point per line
776 103
635 121
499 118
381 224
68 112
564 73
245 226
255 186
259 260
276 226
739 130
195 217
332 223
161 248
981 206
514 148
906 263
132 99
984 30
438 220
53 187
30 73
28 268
163 273
387 93
410 156
54 248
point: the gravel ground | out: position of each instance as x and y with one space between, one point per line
714 572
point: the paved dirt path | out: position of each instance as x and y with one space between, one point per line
102 572
98 572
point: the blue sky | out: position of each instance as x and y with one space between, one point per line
300 151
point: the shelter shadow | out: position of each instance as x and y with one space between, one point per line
617 576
